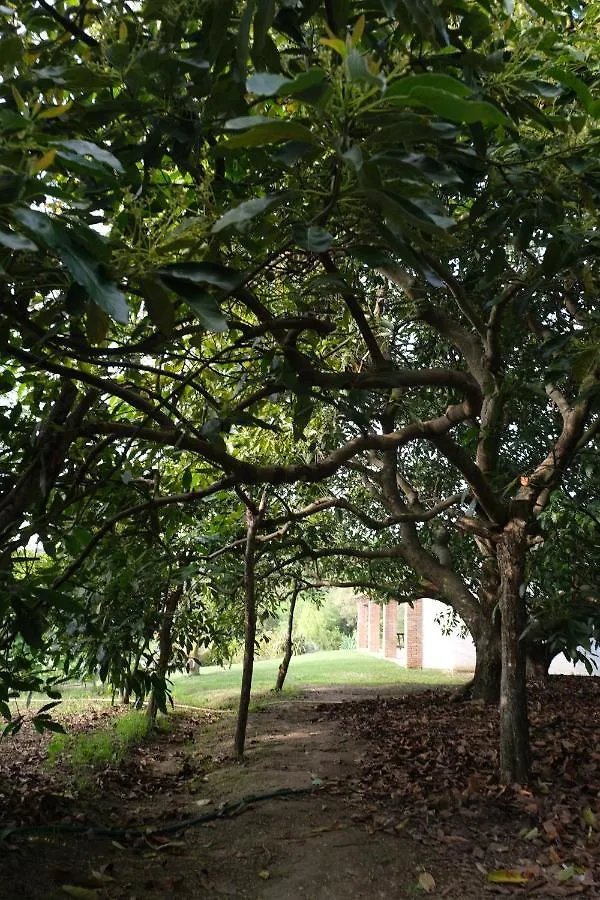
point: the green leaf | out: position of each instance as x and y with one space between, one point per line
248 210
263 19
77 540
292 151
11 50
453 107
96 324
542 10
221 16
158 303
312 238
80 893
87 148
303 82
265 130
203 273
423 214
83 267
327 284
87 167
207 310
266 84
302 414
375 257
242 122
43 723
358 70
570 80
404 87
7 381
203 304
16 241
243 36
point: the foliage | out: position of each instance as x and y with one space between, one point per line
282 244
563 586
329 625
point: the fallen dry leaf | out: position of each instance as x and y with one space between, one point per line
80 893
507 876
427 882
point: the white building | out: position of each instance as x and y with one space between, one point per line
417 640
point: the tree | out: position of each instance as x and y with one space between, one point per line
274 255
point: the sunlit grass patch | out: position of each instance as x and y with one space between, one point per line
93 749
216 687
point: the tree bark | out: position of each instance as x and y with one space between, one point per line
539 658
514 723
165 645
254 517
488 662
289 644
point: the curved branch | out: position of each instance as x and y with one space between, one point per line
494 509
105 385
250 473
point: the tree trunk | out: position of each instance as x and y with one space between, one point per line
289 645
165 645
539 658
488 662
514 724
253 520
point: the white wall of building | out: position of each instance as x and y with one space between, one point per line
444 651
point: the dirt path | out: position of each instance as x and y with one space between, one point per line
316 845
402 804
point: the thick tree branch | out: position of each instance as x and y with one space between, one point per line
250 473
493 507
466 343
105 385
463 303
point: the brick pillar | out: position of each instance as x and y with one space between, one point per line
414 635
362 628
390 625
374 620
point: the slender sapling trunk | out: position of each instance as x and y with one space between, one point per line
289 644
165 645
254 516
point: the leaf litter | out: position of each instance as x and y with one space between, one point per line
421 775
431 771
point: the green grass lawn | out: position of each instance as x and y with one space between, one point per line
219 687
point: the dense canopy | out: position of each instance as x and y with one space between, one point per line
294 292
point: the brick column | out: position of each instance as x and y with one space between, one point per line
414 635
390 625
362 628
374 620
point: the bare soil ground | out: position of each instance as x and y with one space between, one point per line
404 803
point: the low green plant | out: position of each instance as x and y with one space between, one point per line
92 749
